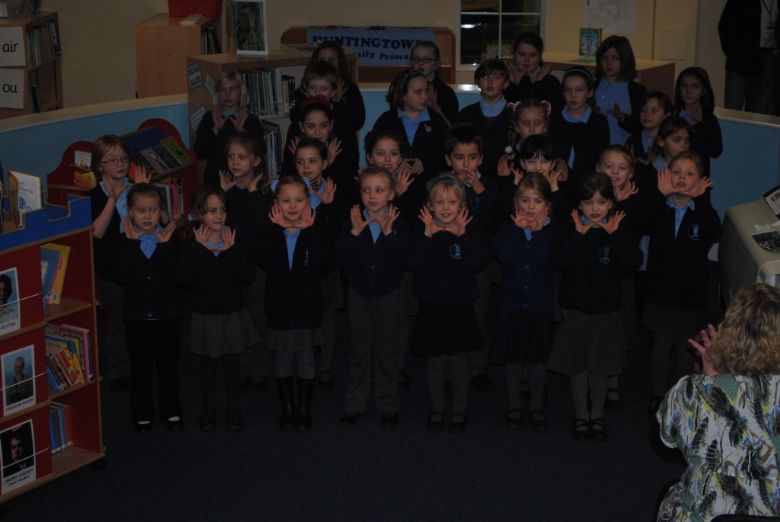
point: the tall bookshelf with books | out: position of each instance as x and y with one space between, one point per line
156 145
50 422
162 45
271 81
30 65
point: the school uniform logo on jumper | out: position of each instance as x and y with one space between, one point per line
604 254
427 128
455 251
306 258
693 232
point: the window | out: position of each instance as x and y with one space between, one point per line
485 23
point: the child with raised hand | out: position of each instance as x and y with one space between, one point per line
446 255
618 96
371 253
579 132
426 59
656 107
529 76
683 227
593 257
293 249
228 116
694 101
524 247
673 137
491 116
144 262
530 117
216 271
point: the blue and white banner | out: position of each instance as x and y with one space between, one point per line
374 46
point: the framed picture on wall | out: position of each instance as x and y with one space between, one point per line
251 28
590 39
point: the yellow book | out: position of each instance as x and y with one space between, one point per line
59 275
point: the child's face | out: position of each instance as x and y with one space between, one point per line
675 143
375 193
691 90
576 93
229 95
386 153
531 121
115 163
309 163
416 97
424 60
445 204
652 114
145 213
241 162
215 215
492 86
617 167
685 175
610 64
329 56
538 164
531 204
316 126
292 200
320 87
527 58
596 209
465 158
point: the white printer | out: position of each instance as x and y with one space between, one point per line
742 260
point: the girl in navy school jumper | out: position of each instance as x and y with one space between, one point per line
694 102
492 116
446 255
426 59
595 253
229 115
579 132
293 248
618 96
144 261
656 107
425 130
524 247
673 137
216 270
529 76
683 227
371 252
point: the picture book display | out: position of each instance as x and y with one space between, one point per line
10 311
24 194
18 374
17 449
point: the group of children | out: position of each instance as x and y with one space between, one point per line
469 236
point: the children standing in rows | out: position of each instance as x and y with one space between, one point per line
446 254
529 76
228 116
694 102
618 96
371 252
144 261
216 271
426 59
656 107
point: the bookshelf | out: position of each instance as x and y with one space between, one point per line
29 424
73 175
162 45
30 65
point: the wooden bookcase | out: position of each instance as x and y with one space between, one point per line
71 178
20 259
30 65
162 45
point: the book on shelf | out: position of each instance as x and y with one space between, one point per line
59 255
63 361
43 44
209 42
24 195
179 154
60 426
87 356
272 136
270 91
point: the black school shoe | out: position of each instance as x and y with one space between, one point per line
435 422
514 420
233 420
389 420
598 429
349 418
143 426
208 421
614 401
457 423
325 380
174 423
537 420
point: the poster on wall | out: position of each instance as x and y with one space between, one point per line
18 456
251 28
374 46
612 16
12 88
10 319
18 369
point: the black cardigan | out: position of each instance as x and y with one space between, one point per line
494 132
446 98
548 88
102 247
211 147
588 139
636 92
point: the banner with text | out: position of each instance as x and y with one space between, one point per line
374 47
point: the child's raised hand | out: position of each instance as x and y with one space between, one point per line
338 94
431 227
563 168
613 223
537 222
665 182
579 226
115 187
386 223
358 223
219 121
164 235
334 149
617 113
141 176
629 189
699 188
228 238
461 221
240 121
474 182
254 182
226 180
129 229
329 192
503 168
520 219
403 179
702 344
293 146
544 70
202 236
307 218
552 177
518 176
275 216
433 101
416 165
514 73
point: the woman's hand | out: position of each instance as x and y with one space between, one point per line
702 343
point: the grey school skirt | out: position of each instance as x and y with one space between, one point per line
219 334
294 340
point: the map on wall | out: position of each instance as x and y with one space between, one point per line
611 16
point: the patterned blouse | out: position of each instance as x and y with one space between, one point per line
728 429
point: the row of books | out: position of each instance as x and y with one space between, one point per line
43 44
272 135
70 361
172 193
60 426
270 91
161 157
209 43
54 264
